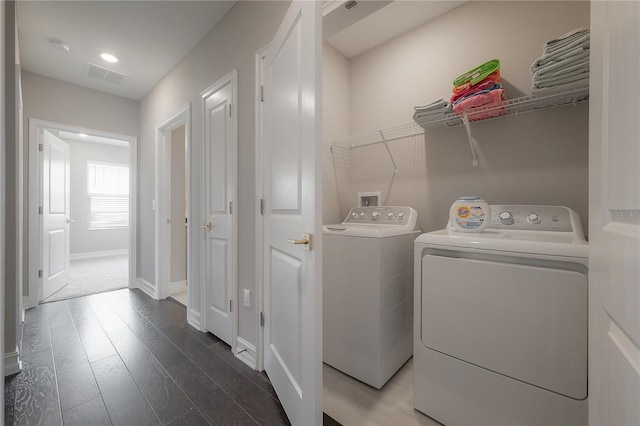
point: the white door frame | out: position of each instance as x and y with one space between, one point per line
36 127
260 57
163 200
232 79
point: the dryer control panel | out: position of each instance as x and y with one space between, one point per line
535 218
382 215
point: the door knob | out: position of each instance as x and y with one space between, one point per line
207 226
70 221
305 241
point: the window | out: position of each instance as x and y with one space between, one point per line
108 188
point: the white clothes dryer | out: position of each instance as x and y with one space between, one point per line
500 330
368 292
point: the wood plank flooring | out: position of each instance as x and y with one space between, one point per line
121 358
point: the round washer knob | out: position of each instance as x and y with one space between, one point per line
362 215
400 215
354 215
390 216
533 218
375 215
506 218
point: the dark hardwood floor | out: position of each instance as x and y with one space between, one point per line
121 358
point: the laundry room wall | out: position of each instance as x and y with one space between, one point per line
335 116
231 44
536 158
83 239
53 100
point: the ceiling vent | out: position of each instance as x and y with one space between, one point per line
105 74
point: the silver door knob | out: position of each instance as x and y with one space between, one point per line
70 221
207 226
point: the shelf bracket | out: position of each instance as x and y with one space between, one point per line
384 141
472 140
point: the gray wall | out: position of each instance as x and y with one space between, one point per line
232 44
178 207
52 100
84 240
335 113
536 158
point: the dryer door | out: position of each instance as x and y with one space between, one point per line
522 321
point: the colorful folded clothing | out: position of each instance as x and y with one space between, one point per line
483 106
478 74
495 76
486 84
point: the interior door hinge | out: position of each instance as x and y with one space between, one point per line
40 210
39 273
40 147
261 93
230 305
261 205
230 207
261 319
230 109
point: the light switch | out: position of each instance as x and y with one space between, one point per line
247 298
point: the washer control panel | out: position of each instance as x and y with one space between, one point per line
534 218
382 215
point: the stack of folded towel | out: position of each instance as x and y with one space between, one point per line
479 93
564 64
437 110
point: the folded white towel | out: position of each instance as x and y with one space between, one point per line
562 67
433 105
578 32
575 53
561 87
561 79
568 44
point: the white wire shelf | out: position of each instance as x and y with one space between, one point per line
509 108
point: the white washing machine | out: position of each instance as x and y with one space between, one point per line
368 292
500 331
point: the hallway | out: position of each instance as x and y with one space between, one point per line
122 358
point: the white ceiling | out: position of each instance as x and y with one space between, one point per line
92 138
148 37
387 23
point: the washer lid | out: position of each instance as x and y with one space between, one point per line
538 242
365 230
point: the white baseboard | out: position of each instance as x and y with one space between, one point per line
193 319
98 254
147 287
12 363
246 352
178 287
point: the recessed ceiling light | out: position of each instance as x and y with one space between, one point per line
109 57
82 135
58 45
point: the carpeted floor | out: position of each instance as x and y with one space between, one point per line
91 276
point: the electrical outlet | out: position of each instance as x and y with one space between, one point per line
247 298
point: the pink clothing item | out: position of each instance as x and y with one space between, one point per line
484 84
483 106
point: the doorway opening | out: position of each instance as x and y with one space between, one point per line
173 259
82 220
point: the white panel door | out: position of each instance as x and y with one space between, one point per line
219 190
292 190
614 214
55 214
